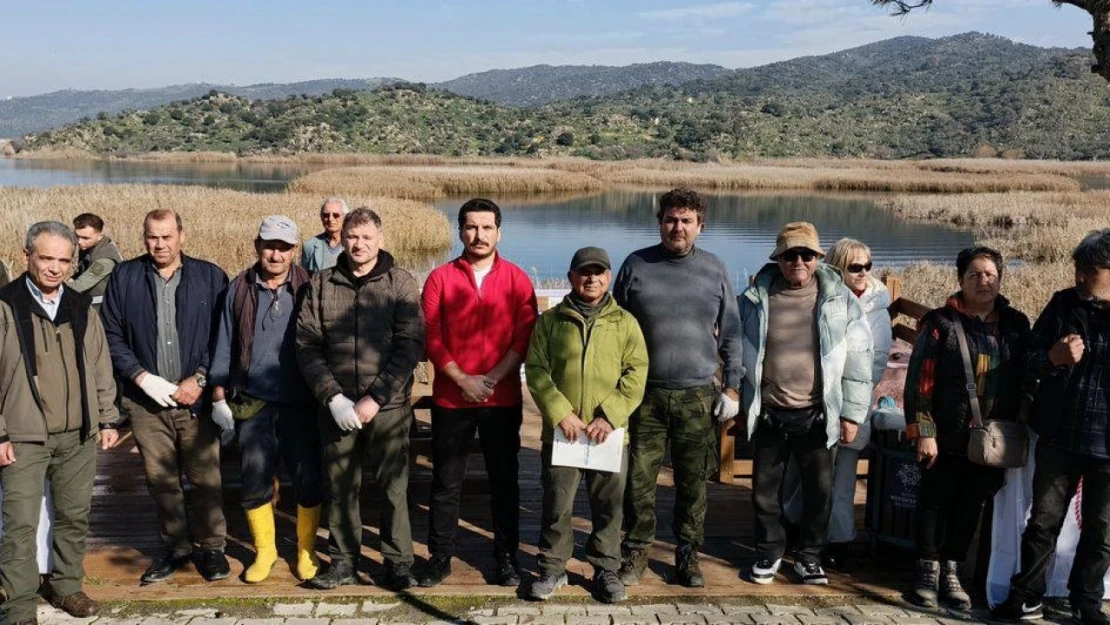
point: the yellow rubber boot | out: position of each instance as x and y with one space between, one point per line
308 521
261 522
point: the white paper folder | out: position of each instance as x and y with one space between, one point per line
586 454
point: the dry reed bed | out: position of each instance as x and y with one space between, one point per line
220 225
423 182
1028 287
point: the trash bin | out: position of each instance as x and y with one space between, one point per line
893 482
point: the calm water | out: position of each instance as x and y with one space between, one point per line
540 236
259 178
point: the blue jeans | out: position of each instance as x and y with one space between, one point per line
285 432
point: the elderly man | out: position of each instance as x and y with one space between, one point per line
159 313
321 251
99 256
50 344
807 357
479 311
360 334
586 368
257 385
683 299
1069 353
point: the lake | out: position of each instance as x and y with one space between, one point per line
540 234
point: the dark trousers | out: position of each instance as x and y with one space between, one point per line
680 417
1055 480
285 432
952 496
772 450
499 433
383 446
606 493
172 441
71 466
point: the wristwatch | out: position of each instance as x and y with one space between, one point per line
201 380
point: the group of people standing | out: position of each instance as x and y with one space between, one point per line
310 365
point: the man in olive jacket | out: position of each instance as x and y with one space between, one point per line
360 334
50 344
586 368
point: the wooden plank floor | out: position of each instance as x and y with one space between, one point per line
124 538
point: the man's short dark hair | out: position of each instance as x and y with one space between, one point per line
479 205
964 258
1093 250
88 220
361 216
681 198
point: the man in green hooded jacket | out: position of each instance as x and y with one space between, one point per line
587 369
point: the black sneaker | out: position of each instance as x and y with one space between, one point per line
508 572
811 572
437 570
163 568
398 576
608 587
1088 614
212 564
546 585
1013 610
338 574
764 570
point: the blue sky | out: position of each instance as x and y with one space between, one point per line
112 44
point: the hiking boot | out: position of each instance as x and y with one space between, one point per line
508 571
546 585
811 572
212 564
1014 609
764 570
1088 614
924 592
338 574
437 570
952 593
398 576
608 587
633 565
77 604
686 561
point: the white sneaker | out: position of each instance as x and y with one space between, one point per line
810 572
763 571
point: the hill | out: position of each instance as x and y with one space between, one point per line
904 97
541 84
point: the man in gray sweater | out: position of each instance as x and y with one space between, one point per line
682 297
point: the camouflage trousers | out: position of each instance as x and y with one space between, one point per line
682 418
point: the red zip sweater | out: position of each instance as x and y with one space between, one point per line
475 329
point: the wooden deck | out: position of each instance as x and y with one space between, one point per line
124 539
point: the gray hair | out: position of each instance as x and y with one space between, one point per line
55 228
336 200
1093 250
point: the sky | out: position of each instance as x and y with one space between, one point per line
115 44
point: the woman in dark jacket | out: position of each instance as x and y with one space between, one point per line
938 412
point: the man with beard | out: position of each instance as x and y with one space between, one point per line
684 301
479 311
99 256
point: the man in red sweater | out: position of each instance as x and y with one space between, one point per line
479 310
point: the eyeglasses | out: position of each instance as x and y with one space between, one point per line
790 256
854 268
331 215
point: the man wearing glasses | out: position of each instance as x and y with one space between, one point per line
321 251
258 386
807 386
682 297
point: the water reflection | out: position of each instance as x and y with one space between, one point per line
541 235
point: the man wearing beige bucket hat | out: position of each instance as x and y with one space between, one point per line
807 386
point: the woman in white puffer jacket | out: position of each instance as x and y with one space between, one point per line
853 259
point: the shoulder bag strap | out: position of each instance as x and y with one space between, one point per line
972 389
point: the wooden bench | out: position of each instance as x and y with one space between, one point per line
735 456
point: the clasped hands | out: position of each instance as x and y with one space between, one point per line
167 394
598 430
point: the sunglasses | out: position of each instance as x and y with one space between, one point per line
854 268
790 256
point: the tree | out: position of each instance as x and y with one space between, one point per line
1100 34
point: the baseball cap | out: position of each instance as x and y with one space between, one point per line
279 228
590 256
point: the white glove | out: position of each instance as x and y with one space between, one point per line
159 389
343 411
725 408
221 415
